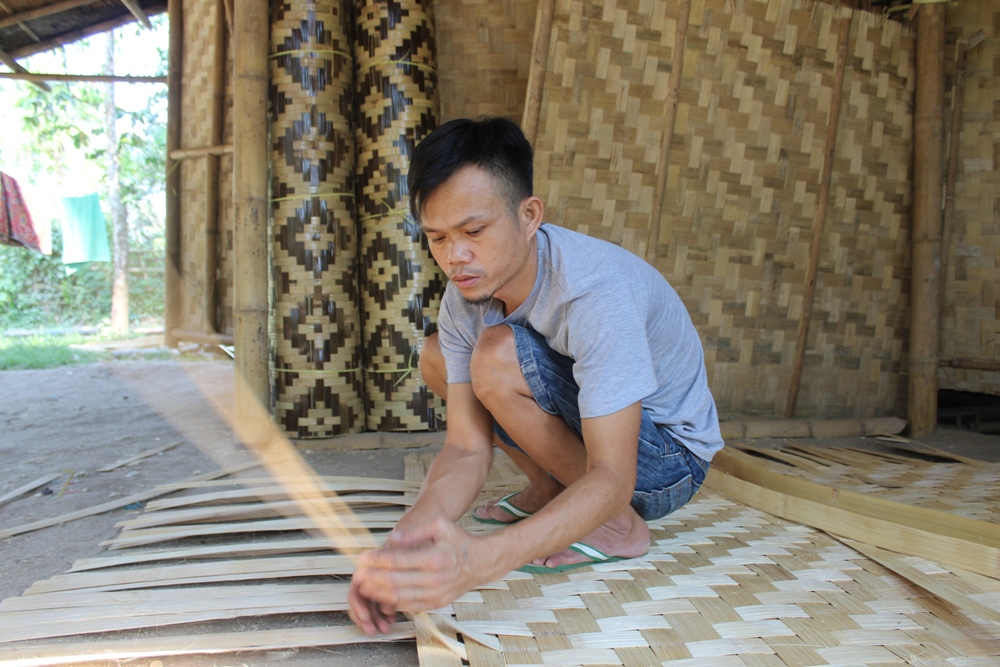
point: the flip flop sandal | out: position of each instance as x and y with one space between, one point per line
508 507
596 556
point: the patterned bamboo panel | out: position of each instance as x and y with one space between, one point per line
196 105
743 182
318 390
484 52
971 325
397 105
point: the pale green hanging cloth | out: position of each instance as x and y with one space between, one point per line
84 232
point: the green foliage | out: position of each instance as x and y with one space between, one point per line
33 352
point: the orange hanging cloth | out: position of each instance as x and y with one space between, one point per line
15 221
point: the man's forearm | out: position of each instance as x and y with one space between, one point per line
453 481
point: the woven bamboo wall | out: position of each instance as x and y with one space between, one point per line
196 104
743 180
484 52
971 325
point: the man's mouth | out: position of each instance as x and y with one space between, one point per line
464 280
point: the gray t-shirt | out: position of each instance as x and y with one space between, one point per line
621 322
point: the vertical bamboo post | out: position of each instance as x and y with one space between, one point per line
172 223
669 123
536 72
928 145
820 220
250 164
213 211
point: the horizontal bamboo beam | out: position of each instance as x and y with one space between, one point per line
41 12
75 35
812 428
91 78
199 337
201 151
992 365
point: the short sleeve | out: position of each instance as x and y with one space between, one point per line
457 338
608 341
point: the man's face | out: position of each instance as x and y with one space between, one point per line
475 237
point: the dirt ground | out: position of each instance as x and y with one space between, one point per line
77 420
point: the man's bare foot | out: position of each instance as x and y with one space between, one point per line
528 501
625 536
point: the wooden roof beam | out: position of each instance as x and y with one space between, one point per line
48 10
7 60
75 35
133 6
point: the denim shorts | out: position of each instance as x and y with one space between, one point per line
667 474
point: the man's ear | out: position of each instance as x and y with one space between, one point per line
532 213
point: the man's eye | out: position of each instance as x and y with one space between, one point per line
475 232
437 239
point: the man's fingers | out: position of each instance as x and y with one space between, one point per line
409 591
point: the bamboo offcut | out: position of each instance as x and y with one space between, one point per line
317 362
172 219
397 105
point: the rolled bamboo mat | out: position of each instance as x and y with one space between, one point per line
723 585
397 105
316 379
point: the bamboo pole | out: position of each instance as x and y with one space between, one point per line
820 428
213 209
201 151
201 337
172 223
536 72
251 37
138 13
928 142
669 123
820 219
989 365
92 78
9 61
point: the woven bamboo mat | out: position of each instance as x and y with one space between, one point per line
914 475
723 585
743 181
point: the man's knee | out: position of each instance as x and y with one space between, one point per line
495 368
432 367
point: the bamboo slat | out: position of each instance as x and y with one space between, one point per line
138 457
397 101
30 486
317 381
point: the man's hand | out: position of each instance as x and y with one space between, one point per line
425 567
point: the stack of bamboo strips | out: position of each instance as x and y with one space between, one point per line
722 585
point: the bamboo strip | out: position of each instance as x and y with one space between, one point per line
669 125
812 428
339 483
30 486
537 69
942 523
943 549
286 508
139 457
819 220
249 549
187 153
258 640
112 505
153 535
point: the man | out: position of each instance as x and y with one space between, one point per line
578 357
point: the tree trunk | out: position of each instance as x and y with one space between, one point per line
119 216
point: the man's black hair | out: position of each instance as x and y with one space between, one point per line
495 144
